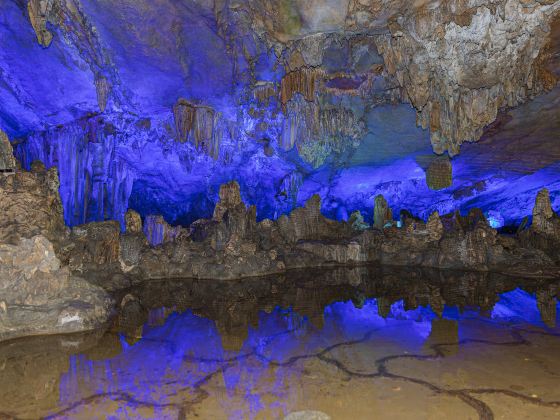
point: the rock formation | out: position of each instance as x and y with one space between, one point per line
381 213
458 91
41 297
232 245
7 160
439 174
38 294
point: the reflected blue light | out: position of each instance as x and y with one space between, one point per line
175 356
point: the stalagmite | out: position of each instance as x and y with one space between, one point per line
7 160
133 222
381 212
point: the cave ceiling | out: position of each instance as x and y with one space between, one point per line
152 104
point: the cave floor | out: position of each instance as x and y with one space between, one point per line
396 346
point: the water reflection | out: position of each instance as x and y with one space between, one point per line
334 340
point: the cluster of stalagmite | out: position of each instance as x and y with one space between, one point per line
233 244
35 244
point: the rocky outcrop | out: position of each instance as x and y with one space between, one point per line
382 213
38 293
94 244
544 232
39 296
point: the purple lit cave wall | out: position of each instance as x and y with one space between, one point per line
153 111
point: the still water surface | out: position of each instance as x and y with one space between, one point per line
342 344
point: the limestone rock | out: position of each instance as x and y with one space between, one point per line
39 13
94 244
435 227
457 66
230 199
40 297
357 222
103 89
30 205
545 221
301 81
199 125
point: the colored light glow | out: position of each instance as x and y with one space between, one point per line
186 348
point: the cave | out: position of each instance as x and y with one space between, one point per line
285 209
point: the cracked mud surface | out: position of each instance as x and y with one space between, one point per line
321 352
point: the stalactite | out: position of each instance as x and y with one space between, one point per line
263 91
184 114
95 183
317 132
301 81
103 89
439 174
200 125
39 11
